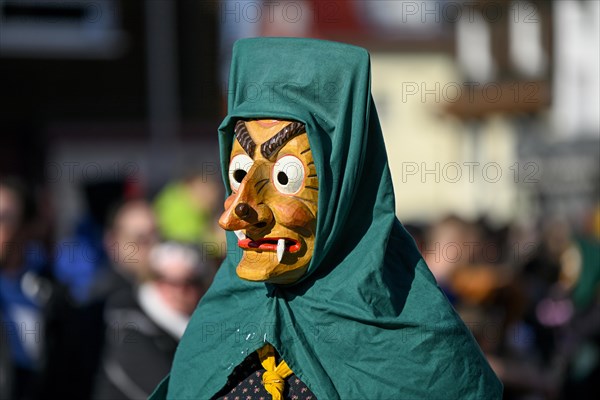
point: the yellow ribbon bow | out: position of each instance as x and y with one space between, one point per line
274 377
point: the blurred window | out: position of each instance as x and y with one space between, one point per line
70 29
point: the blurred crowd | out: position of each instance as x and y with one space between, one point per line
529 294
98 314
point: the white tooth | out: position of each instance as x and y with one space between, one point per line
240 234
280 249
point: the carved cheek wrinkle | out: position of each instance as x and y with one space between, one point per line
293 213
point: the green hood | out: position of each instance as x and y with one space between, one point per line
367 321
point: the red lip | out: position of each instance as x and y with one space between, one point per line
269 244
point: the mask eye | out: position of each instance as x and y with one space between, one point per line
238 168
288 174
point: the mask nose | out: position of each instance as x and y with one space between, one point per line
245 209
242 210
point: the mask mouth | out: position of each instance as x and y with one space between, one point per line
269 244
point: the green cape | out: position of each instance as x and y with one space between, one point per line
367 321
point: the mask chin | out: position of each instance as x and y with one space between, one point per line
276 277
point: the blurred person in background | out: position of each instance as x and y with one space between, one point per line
186 211
130 233
128 236
26 293
44 346
145 325
448 245
185 208
468 260
83 252
533 305
554 351
582 340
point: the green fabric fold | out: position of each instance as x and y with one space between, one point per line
367 321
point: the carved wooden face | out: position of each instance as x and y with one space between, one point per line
273 204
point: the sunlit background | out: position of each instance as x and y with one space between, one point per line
108 148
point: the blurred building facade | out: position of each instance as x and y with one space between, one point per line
488 105
107 90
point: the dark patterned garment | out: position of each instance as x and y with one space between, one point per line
245 383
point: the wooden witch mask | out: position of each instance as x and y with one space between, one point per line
273 205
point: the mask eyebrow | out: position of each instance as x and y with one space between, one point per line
243 137
275 143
